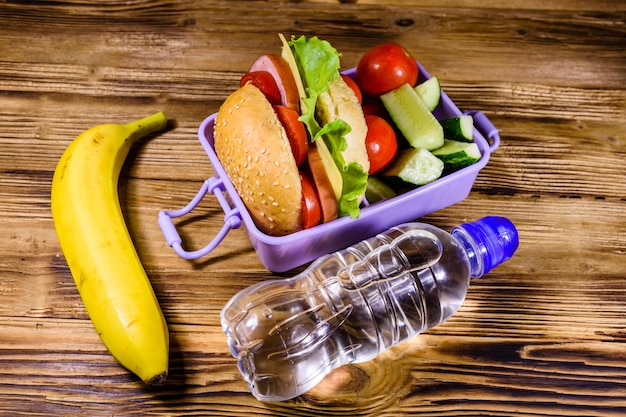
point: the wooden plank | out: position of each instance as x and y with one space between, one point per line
540 335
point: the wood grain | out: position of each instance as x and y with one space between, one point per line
543 334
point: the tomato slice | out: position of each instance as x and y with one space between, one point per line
296 132
352 84
311 209
380 142
264 81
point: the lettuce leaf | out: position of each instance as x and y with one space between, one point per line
318 63
354 179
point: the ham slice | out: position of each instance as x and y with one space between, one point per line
278 67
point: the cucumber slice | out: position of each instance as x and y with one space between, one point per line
416 166
456 155
377 190
413 118
430 92
458 128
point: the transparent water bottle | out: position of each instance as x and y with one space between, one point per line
349 306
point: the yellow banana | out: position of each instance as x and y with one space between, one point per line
99 251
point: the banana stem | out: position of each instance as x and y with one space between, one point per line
149 124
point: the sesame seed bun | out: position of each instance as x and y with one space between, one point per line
254 150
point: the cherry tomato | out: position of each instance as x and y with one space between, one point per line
377 108
380 142
352 84
296 132
384 68
264 81
311 209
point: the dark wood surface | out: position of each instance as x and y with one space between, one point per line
543 334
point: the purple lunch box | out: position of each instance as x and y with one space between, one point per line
282 253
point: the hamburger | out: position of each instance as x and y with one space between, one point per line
292 139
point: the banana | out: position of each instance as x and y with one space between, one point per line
98 248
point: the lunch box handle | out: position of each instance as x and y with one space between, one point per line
486 128
232 220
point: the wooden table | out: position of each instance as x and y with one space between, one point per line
543 334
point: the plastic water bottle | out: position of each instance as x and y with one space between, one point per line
349 306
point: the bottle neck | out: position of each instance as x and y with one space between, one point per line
477 266
488 242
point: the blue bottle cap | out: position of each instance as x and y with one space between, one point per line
496 238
